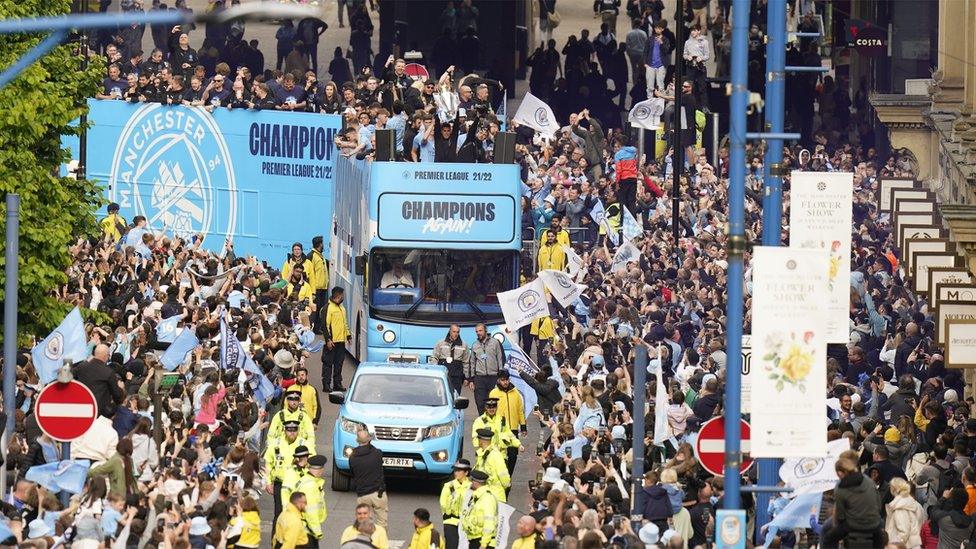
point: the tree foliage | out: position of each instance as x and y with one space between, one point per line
36 110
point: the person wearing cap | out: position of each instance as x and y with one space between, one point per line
306 477
425 536
494 421
289 530
480 516
452 498
491 461
278 457
113 225
511 409
309 394
292 411
551 253
336 332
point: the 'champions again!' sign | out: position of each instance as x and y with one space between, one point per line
474 218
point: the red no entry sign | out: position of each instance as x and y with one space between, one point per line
65 411
710 447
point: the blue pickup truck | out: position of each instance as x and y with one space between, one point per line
411 412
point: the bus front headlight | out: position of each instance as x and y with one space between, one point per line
389 336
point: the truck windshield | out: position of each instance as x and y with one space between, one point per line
400 390
439 286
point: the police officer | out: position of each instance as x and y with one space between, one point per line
491 461
491 419
452 498
306 477
480 516
292 412
279 457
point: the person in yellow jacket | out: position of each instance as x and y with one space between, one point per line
491 419
113 225
379 537
250 522
292 411
452 498
319 278
278 458
558 225
298 287
336 330
491 461
512 410
614 215
297 257
424 534
527 534
289 531
309 394
551 253
480 517
309 481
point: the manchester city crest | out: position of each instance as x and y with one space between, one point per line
172 165
55 346
528 300
541 116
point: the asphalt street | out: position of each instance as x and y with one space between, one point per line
405 495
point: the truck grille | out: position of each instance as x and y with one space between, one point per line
397 433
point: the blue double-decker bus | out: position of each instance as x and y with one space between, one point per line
419 247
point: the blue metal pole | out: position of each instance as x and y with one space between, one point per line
10 312
641 361
31 56
773 191
737 243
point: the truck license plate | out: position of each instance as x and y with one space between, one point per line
397 462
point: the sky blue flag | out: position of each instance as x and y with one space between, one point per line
178 350
5 531
796 514
68 475
166 330
307 338
632 228
263 388
612 233
67 341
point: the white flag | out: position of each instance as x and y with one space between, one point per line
632 228
505 512
524 304
627 252
813 475
647 114
534 113
612 233
573 260
661 403
561 286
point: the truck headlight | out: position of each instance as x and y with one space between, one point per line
389 336
441 430
350 426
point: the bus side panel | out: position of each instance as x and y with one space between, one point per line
349 235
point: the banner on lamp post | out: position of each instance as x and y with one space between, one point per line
821 218
789 351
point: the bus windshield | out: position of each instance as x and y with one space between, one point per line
439 286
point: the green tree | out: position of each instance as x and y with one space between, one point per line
36 110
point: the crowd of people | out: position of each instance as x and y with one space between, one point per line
907 481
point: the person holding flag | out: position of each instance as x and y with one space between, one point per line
512 411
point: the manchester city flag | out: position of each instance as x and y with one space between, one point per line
524 304
647 114
632 229
68 475
177 352
66 342
536 114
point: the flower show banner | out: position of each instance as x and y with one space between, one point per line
789 352
820 218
